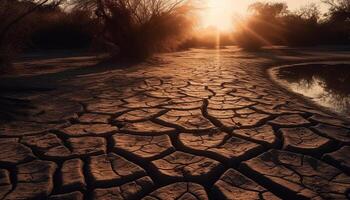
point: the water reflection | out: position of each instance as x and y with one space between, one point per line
326 84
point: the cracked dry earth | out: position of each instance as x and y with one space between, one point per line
197 125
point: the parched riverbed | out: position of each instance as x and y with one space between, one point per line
198 124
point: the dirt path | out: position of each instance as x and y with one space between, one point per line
201 124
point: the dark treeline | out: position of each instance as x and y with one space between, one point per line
129 29
40 25
135 29
274 24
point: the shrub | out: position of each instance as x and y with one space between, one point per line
140 28
17 24
63 30
263 27
274 24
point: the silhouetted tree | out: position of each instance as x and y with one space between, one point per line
338 23
302 27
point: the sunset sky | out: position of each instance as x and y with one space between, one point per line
219 13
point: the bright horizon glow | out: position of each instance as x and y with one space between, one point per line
220 14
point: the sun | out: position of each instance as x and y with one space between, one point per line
218 14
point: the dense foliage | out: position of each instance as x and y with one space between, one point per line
274 24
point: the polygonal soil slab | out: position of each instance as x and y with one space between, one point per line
197 92
304 140
13 153
220 145
34 180
106 170
146 127
329 120
94 118
57 110
189 120
263 135
185 105
20 128
48 145
68 196
139 115
340 158
184 166
289 121
72 175
131 190
85 146
235 186
338 133
275 109
143 101
233 103
143 147
244 118
181 100
296 176
5 183
77 130
105 106
182 190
